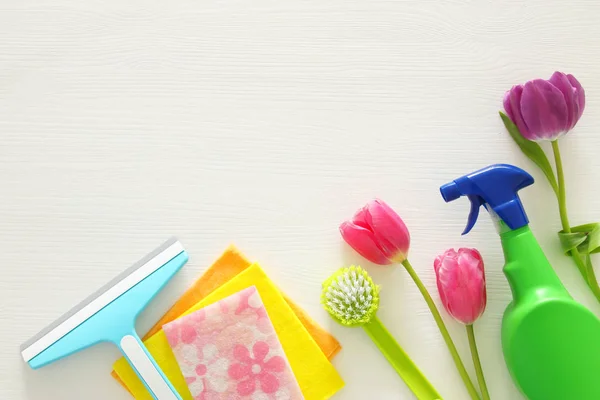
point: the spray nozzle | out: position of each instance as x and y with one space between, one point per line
494 187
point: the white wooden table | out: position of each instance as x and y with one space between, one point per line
266 123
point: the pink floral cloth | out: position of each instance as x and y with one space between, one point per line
229 350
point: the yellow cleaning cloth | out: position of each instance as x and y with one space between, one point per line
316 376
231 263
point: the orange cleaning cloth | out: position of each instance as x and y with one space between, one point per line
231 263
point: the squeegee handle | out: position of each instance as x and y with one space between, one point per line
146 368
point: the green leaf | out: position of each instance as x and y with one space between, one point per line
532 150
570 241
589 269
585 228
586 238
593 242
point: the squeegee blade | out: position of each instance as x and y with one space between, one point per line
101 298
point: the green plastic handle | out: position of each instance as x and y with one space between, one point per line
397 357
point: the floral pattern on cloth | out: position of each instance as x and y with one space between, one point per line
229 351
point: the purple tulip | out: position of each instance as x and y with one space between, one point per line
546 109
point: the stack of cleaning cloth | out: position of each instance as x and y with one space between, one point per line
234 335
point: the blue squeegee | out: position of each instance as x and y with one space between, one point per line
109 316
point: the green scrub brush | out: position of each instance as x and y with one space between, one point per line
352 299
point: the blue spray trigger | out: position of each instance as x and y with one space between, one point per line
496 188
476 202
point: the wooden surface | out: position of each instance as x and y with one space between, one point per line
265 124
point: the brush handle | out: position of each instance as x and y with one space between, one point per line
397 357
146 368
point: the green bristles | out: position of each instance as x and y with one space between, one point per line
350 296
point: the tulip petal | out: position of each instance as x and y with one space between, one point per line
461 283
461 299
544 109
363 241
579 96
437 264
513 109
472 256
390 231
360 218
561 81
507 106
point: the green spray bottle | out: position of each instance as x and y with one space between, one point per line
551 343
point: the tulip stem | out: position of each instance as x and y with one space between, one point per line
444 331
562 191
477 363
585 268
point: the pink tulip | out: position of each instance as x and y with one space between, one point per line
546 109
461 283
377 233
